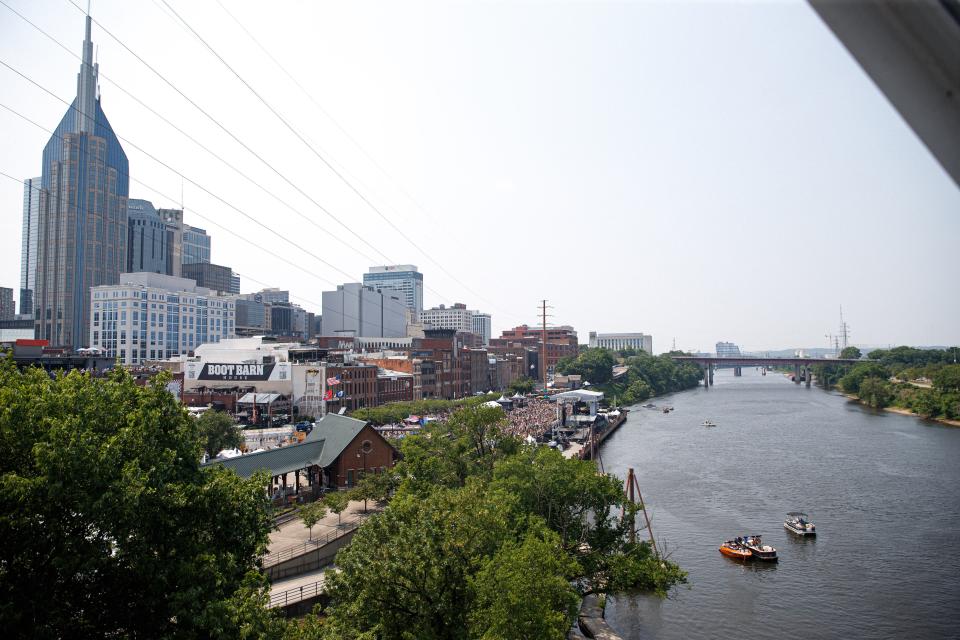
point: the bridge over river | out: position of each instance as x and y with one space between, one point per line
801 366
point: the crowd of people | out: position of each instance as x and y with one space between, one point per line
534 419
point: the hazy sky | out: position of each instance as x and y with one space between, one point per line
699 171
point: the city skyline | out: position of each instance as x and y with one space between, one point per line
835 202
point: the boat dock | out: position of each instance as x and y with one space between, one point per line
584 450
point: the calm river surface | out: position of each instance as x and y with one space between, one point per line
883 490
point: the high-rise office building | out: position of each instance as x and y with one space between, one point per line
271 295
173 219
211 276
148 239
482 326
151 316
360 311
402 279
196 245
82 230
28 243
8 308
457 317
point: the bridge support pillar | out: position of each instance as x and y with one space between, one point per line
706 377
737 372
711 375
796 374
806 375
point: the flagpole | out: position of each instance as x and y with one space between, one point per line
323 392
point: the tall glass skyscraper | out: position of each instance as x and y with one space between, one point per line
148 239
82 231
28 246
196 245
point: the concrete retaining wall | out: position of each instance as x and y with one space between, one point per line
309 561
591 620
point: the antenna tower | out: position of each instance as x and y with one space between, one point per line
844 330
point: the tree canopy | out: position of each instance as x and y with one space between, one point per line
486 538
110 526
595 365
523 385
218 431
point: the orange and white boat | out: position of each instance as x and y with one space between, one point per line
733 549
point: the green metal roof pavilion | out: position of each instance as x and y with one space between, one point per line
321 447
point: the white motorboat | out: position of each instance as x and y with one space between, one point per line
707 423
800 524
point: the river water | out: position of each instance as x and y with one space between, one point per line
883 490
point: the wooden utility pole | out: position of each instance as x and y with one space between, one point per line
631 485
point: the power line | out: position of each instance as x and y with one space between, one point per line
194 211
315 152
326 113
236 139
227 131
193 139
170 168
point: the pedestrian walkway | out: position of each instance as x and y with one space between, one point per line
302 587
294 532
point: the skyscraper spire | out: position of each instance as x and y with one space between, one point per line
87 84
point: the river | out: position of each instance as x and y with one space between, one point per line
883 490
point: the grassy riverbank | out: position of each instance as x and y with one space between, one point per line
901 410
922 382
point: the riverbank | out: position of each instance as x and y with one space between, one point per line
900 410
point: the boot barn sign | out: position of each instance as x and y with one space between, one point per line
232 371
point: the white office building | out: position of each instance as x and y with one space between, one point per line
620 341
152 316
456 317
402 280
359 311
482 326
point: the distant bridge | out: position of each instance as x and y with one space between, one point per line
738 362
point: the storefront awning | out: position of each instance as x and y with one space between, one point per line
258 398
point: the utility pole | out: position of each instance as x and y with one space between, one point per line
543 342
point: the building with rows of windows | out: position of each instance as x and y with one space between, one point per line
152 316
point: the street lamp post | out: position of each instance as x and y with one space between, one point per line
365 448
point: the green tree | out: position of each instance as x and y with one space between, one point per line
111 527
850 353
947 378
406 572
523 591
337 502
875 392
311 514
850 383
595 365
523 385
218 431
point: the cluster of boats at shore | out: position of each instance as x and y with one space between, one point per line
753 547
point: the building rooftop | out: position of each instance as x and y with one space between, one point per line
328 439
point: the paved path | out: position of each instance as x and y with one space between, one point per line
294 532
287 591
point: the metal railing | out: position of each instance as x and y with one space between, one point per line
296 594
286 553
